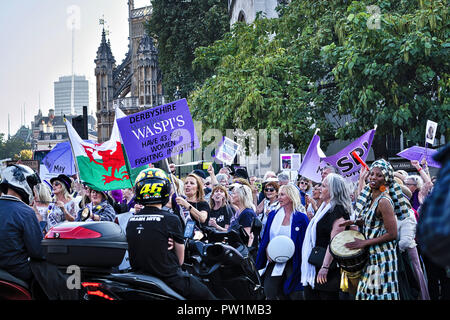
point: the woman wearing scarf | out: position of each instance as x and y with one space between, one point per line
377 208
321 277
282 280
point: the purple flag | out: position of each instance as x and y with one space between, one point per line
310 167
314 160
159 133
348 166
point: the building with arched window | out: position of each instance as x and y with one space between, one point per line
246 10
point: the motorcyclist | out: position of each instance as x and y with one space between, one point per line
20 234
149 233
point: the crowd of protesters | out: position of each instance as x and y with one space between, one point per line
385 206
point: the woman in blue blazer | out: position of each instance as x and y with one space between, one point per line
282 281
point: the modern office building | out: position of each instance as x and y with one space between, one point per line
63 95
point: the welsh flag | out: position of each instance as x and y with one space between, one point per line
104 166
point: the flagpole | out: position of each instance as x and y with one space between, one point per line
171 176
73 153
174 190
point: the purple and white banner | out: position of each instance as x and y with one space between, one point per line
159 133
310 167
315 160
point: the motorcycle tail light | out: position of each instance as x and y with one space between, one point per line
92 289
72 233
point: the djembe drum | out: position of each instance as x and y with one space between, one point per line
351 261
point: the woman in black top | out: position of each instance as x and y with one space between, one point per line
194 206
221 212
336 207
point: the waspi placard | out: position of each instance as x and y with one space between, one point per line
159 133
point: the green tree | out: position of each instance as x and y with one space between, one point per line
12 147
395 71
341 66
179 27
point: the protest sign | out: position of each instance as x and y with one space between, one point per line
286 161
33 164
159 133
227 151
430 133
291 161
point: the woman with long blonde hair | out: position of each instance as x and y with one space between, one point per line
242 200
221 210
64 207
193 204
289 220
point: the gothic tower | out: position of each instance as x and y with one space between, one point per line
135 84
105 64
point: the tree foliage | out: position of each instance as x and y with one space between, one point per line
341 66
179 27
11 148
25 154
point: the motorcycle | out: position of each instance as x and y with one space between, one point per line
220 260
223 262
12 288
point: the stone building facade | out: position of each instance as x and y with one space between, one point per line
136 83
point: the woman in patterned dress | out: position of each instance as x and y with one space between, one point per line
64 207
377 208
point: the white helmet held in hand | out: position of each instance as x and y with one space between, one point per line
281 249
21 179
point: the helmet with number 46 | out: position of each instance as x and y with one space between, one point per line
152 186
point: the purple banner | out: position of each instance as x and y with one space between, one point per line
347 164
310 167
314 160
159 133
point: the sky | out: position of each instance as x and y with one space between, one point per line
37 49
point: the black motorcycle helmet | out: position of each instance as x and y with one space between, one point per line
152 186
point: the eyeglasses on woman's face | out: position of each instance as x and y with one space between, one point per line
56 184
269 189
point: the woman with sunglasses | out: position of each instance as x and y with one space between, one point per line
269 203
64 207
98 209
305 189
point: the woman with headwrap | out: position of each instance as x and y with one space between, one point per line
377 208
